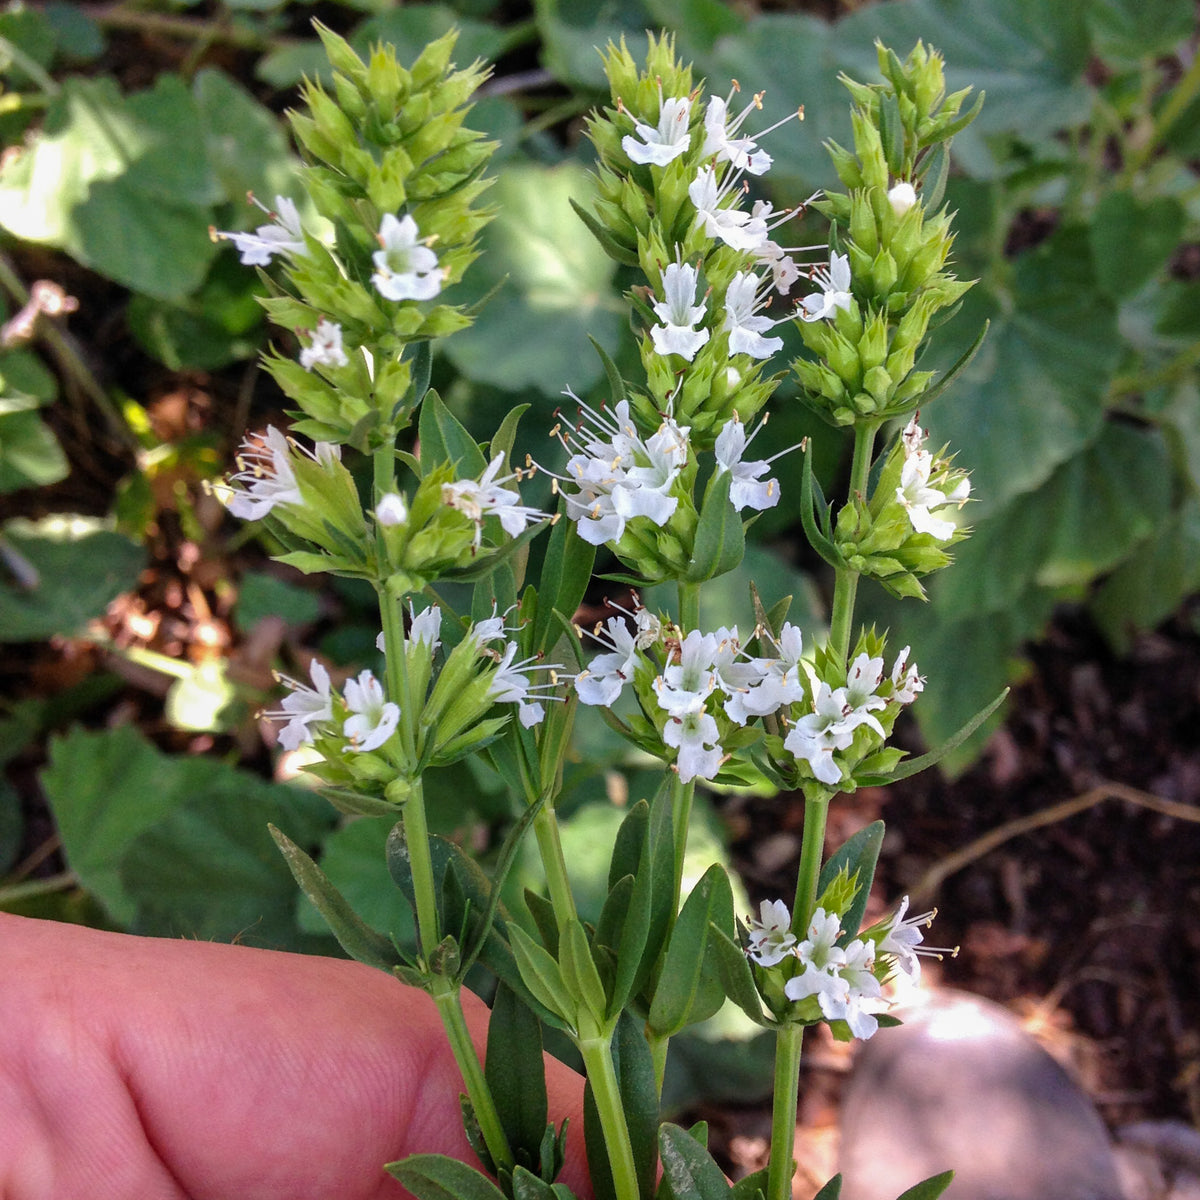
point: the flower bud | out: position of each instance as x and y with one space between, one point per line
902 196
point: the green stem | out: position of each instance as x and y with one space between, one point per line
448 997
845 586
1181 96
545 829
420 861
788 1044
16 892
812 849
689 606
602 1075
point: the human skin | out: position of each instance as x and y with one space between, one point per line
149 1069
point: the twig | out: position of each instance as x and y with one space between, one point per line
932 880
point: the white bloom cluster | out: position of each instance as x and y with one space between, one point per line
326 347
620 474
927 485
846 980
405 267
696 682
369 722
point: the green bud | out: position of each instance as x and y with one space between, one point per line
883 273
878 383
870 152
862 224
398 791
873 345
846 166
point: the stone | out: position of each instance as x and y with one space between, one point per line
962 1086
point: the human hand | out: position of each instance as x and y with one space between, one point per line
149 1069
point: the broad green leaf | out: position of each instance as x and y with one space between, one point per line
832 1190
121 183
412 27
179 843
1033 396
699 22
1131 241
435 1177
245 142
689 1171
354 859
1132 31
263 595
573 31
81 568
687 989
557 287
1150 584
736 976
354 935
30 455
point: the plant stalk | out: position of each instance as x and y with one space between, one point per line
788 1044
545 829
845 586
812 849
602 1075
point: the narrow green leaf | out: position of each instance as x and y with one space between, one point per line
616 385
541 975
752 1186
688 1168
614 913
686 991
566 571
915 765
928 1189
506 435
832 1190
720 538
963 362
544 917
737 977
860 853
612 247
354 935
527 1186
809 514
515 1072
579 971
444 438
436 1177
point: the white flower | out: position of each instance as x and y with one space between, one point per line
834 282
904 936
863 677
667 142
283 235
742 152
907 684
779 681
374 719
490 498
734 226
426 627
689 678
267 475
822 959
619 475
511 685
405 268
902 197
743 299
391 509
678 314
694 733
303 706
784 271
326 349
607 674
771 939
862 999
829 727
917 495
747 490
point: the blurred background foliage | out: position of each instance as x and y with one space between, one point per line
139 626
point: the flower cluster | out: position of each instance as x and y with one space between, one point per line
699 692
844 979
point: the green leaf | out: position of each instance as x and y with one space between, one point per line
541 975
832 1190
444 438
689 1171
1132 241
516 1073
720 538
571 31
30 455
687 991
120 183
261 595
736 976
559 291
436 1177
354 935
566 572
859 853
1034 394
752 1186
579 971
81 569
411 28
1131 31
178 844
928 1189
